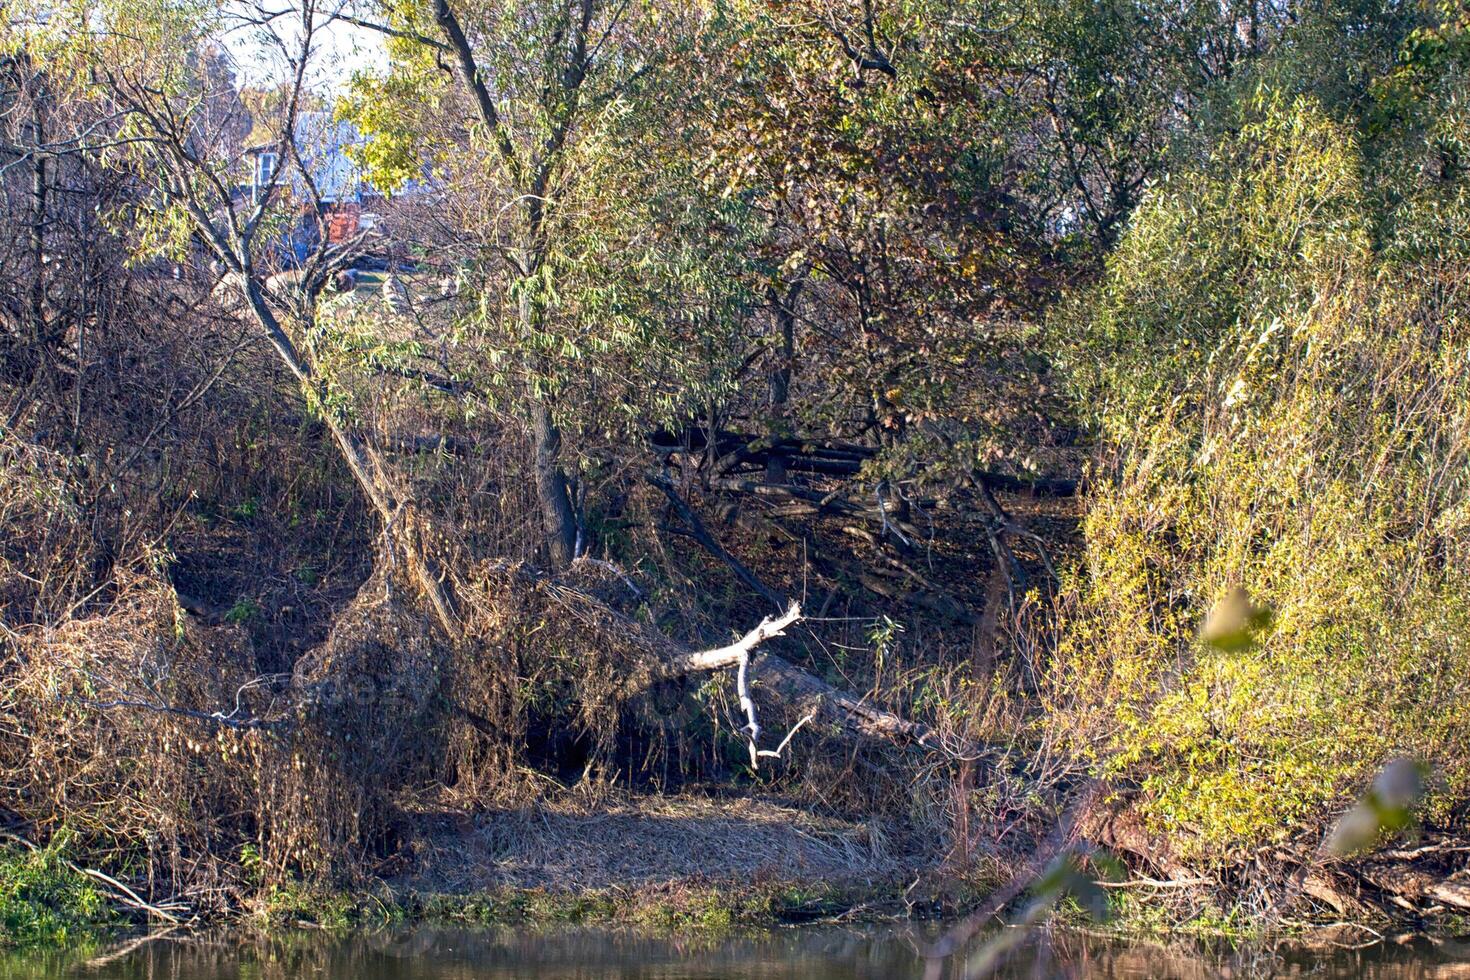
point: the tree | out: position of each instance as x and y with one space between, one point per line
178 127
549 86
900 249
1278 385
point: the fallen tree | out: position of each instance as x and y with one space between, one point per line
728 461
156 712
725 452
650 657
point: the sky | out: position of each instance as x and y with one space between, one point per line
341 50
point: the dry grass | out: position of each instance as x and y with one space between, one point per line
218 559
646 841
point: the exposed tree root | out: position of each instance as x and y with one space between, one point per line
1421 881
1425 890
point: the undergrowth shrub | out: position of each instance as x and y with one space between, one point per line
45 901
1283 404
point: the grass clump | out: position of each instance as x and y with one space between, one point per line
292 904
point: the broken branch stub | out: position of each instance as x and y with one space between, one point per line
729 656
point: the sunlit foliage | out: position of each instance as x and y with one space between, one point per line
1280 369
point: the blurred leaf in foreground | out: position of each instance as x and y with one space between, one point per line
1234 621
1387 808
1062 878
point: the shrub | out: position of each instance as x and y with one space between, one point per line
44 901
1283 404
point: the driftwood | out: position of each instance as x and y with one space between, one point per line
1418 884
1423 880
1324 888
168 910
791 684
740 650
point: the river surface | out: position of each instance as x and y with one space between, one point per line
809 953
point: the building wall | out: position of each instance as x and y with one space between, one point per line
343 221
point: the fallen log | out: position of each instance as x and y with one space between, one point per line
648 657
806 501
733 451
707 541
652 658
1325 889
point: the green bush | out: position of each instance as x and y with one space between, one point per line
44 902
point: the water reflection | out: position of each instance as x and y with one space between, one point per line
439 953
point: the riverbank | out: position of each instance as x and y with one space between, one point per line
58 909
79 920
45 901
680 862
685 863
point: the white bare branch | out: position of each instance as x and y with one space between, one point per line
729 656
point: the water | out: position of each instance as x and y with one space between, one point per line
810 953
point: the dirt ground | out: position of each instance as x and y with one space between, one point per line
648 841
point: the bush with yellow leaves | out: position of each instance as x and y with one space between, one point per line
1282 396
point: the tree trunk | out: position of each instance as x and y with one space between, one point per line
38 224
532 176
557 514
354 453
33 134
780 378
558 518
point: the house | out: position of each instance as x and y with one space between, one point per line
346 196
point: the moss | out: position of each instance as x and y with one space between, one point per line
682 908
44 901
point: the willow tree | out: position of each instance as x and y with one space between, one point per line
1278 371
537 120
171 120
